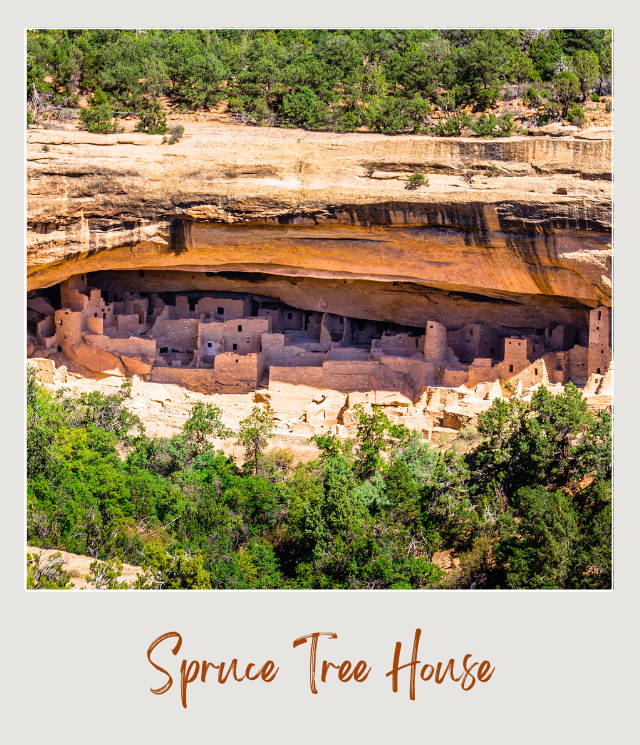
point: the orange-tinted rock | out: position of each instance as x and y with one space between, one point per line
136 365
97 359
299 208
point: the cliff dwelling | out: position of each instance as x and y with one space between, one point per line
311 366
283 270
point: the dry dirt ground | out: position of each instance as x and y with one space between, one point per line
79 566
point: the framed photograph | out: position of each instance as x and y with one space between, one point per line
320 338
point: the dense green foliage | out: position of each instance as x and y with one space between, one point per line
387 80
98 116
527 506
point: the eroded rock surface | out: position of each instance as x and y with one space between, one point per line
510 231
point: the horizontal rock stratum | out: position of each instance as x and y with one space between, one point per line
514 231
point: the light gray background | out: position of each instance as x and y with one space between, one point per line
77 668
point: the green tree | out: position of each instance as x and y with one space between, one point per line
567 88
175 570
445 504
371 441
538 551
205 420
586 66
254 434
152 120
98 117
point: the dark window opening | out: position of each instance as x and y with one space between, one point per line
470 332
60 322
360 326
104 316
235 346
209 344
289 316
598 371
510 368
492 350
602 351
192 304
239 328
59 349
535 370
220 311
95 315
176 351
141 273
341 321
209 274
236 362
599 314
164 350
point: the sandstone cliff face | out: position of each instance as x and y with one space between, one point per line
306 216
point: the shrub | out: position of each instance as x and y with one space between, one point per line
576 115
98 118
505 125
176 132
595 96
153 120
609 106
485 125
531 97
416 181
453 126
30 119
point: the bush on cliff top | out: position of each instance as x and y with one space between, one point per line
387 80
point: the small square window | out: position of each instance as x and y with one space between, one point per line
209 344
220 311
236 362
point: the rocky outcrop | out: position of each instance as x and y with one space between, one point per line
97 359
507 229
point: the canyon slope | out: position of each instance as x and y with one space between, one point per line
514 231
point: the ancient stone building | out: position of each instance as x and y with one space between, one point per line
216 343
